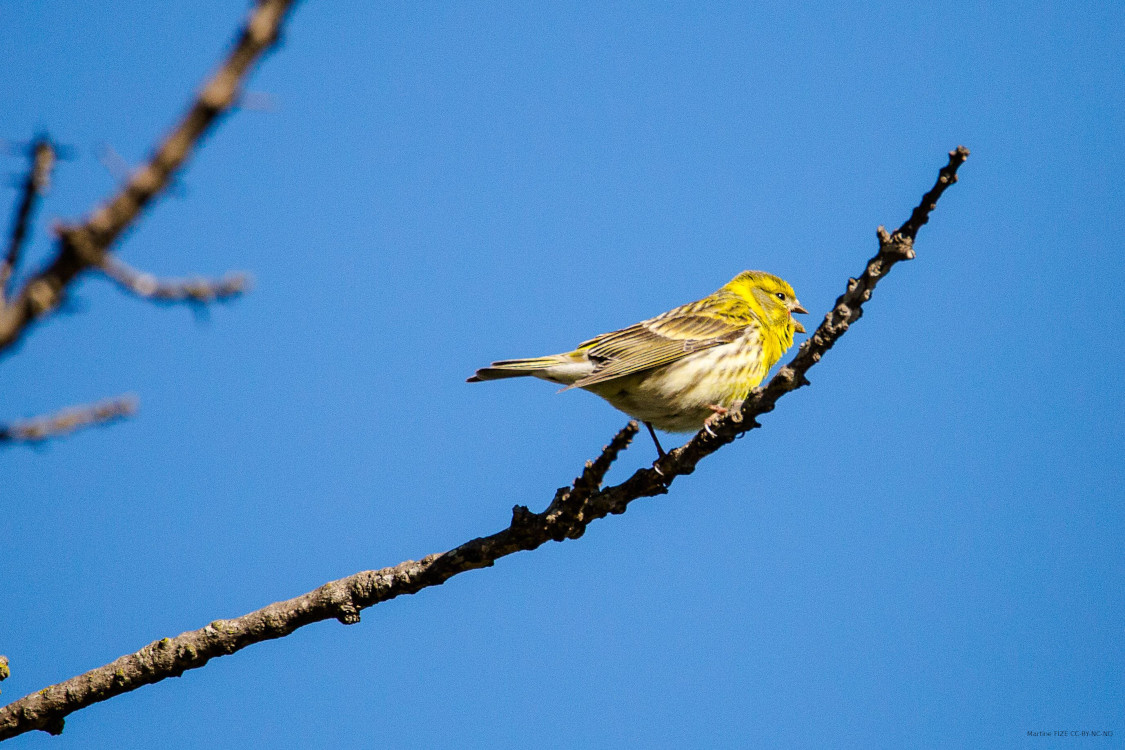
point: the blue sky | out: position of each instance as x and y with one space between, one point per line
922 549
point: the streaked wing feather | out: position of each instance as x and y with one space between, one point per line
660 341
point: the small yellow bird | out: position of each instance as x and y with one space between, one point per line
681 369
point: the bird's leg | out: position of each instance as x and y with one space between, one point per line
652 432
720 412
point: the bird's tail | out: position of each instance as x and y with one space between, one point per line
514 368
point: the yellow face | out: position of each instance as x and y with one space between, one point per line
774 296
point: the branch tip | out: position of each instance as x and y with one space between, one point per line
43 156
946 177
193 291
39 429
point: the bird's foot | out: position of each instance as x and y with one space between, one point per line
719 413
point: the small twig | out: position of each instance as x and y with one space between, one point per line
150 287
571 506
571 511
946 177
38 181
85 245
565 517
68 420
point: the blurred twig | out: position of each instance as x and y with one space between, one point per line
197 290
568 515
82 246
37 182
67 421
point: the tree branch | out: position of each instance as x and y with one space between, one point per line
568 515
195 291
43 157
848 309
67 421
342 600
85 245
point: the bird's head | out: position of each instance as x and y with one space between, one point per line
772 296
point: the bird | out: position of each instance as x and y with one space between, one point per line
682 369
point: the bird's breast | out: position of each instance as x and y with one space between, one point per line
677 397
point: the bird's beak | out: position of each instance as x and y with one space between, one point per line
796 323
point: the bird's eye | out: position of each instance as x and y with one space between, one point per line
781 296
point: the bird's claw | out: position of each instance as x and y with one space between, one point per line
720 412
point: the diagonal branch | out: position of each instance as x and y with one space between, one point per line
341 600
64 422
568 515
848 309
85 245
921 213
194 291
43 157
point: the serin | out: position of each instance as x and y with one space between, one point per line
678 371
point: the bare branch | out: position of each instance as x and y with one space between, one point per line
847 310
568 515
67 421
341 600
43 157
946 177
196 291
85 245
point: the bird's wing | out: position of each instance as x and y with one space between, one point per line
663 339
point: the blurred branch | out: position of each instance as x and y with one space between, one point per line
567 517
37 182
118 168
67 421
198 291
85 245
